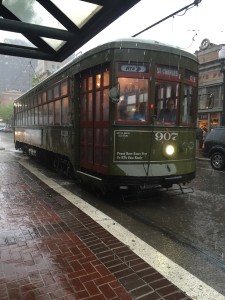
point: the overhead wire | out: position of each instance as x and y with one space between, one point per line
186 8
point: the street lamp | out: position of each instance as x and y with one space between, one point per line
221 56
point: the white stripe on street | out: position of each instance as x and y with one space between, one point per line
185 281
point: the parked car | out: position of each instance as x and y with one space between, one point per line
6 129
214 148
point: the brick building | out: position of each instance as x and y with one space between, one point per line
8 97
210 103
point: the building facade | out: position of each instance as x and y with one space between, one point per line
16 72
46 68
8 97
210 100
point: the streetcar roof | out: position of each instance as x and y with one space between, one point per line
137 43
132 43
126 43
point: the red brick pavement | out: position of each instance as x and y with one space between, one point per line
50 249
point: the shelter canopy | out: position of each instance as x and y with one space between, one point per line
54 29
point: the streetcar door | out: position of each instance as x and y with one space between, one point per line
94 121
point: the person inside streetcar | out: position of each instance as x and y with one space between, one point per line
168 114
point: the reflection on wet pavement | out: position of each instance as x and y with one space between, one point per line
50 249
40 257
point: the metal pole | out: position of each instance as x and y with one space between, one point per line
221 56
223 112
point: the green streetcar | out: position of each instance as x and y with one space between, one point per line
100 116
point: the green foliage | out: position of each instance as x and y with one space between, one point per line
6 113
35 80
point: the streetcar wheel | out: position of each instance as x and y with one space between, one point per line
218 161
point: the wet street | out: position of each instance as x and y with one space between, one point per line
188 228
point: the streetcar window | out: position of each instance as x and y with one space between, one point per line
29 117
21 118
97 106
20 106
90 107
57 105
188 105
102 107
49 95
40 118
105 105
35 100
28 103
39 99
90 83
43 97
98 81
36 115
106 78
133 103
65 111
32 102
24 118
166 102
18 119
32 116
64 88
45 114
50 113
56 92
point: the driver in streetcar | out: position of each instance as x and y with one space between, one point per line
168 114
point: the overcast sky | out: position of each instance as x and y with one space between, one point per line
207 20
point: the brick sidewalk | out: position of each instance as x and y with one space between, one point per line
50 249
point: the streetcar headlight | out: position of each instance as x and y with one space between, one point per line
169 150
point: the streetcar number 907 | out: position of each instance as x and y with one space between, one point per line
166 136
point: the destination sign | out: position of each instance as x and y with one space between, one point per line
166 71
133 68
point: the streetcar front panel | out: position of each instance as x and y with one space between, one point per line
157 155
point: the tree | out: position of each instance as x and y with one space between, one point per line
6 113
